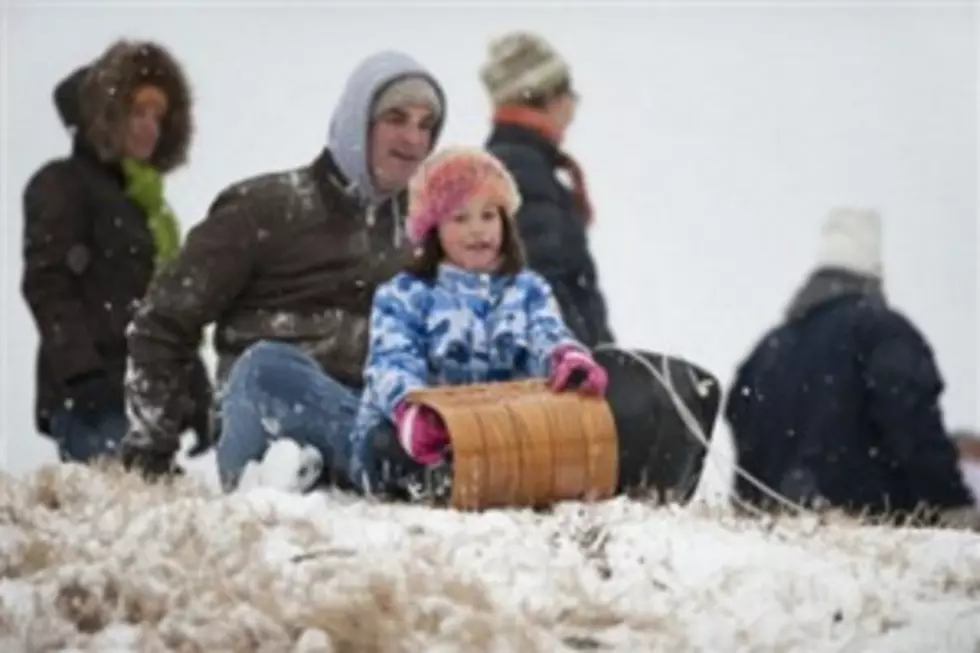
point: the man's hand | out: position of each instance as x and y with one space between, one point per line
200 410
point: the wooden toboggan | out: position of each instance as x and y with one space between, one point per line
519 444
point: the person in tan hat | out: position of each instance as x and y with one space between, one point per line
534 102
838 406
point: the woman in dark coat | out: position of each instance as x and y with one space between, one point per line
534 104
96 225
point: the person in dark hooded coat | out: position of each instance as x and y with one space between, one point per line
838 406
96 226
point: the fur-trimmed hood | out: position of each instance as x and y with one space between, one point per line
94 100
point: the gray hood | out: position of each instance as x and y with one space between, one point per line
351 120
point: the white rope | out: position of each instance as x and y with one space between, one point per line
665 379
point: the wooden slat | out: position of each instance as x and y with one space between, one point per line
519 444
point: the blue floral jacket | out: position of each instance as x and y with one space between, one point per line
462 328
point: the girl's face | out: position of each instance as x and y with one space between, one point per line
472 237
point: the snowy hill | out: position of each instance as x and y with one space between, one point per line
97 561
709 135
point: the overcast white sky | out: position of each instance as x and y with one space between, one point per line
714 138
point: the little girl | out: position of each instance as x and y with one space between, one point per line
466 310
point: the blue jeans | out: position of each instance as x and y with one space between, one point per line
81 438
275 390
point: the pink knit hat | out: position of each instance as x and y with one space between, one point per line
448 180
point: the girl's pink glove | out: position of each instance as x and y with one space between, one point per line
568 359
421 433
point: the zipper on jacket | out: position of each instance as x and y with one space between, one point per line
396 215
371 219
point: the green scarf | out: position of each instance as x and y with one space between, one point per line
144 185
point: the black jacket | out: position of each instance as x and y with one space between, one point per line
88 251
840 403
553 232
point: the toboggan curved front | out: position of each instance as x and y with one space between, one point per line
519 444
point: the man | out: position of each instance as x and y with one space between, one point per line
96 227
534 105
839 405
288 262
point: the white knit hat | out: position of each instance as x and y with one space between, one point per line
520 64
851 240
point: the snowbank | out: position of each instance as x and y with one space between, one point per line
97 561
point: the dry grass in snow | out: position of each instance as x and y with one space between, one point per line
97 561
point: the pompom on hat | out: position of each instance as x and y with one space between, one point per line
451 178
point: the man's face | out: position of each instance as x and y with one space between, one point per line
400 139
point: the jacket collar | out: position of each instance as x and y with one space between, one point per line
472 284
83 151
826 285
333 185
523 135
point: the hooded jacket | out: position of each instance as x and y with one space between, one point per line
88 250
840 405
291 256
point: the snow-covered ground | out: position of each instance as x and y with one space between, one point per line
97 561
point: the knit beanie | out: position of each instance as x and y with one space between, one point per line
851 240
520 65
407 91
448 180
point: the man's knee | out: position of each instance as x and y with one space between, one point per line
266 364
